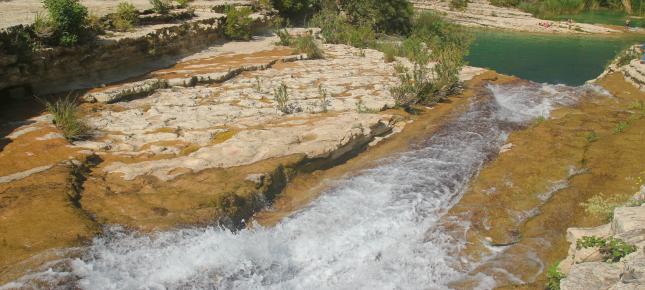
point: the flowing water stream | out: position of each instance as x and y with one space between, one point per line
379 229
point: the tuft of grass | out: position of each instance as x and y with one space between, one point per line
362 109
307 44
324 99
553 277
389 50
125 18
281 97
592 137
285 37
67 118
612 249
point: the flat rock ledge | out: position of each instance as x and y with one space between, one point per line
584 268
633 71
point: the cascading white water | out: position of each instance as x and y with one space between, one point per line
376 230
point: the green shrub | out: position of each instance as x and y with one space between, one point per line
505 3
553 277
238 23
626 56
458 4
126 17
161 6
612 249
296 10
69 18
387 16
307 44
335 28
67 119
450 60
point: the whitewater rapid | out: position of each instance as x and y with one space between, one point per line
376 230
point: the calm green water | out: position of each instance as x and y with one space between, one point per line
553 59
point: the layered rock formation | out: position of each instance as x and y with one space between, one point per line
197 143
585 269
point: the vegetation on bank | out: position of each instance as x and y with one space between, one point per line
611 249
67 118
554 8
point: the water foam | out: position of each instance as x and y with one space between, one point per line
376 230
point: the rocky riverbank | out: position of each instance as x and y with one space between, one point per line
480 13
592 267
209 144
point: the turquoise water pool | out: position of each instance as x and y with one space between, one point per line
570 60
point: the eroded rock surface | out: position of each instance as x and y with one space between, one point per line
628 225
197 143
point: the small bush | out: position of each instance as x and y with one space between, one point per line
307 44
387 16
126 17
601 207
389 50
335 28
161 6
505 3
458 4
612 249
553 277
69 18
626 56
67 119
238 23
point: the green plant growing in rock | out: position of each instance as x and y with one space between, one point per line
258 84
324 99
553 277
612 249
626 56
161 6
285 37
125 18
307 44
361 108
281 97
239 24
601 206
67 118
68 17
621 127
592 137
